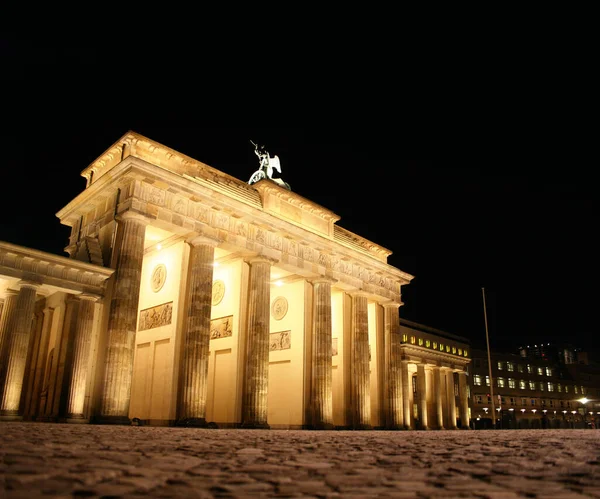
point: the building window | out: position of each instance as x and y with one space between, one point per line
559 387
548 371
520 368
566 388
522 384
441 347
500 382
414 383
551 402
541 386
523 402
465 354
512 383
404 338
460 351
510 366
582 391
420 342
454 350
543 402
533 402
529 368
412 340
575 389
500 365
428 343
531 385
513 401
487 381
562 404
435 345
540 371
477 379
479 399
447 348
550 386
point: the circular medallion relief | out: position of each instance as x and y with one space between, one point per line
279 308
159 276
218 291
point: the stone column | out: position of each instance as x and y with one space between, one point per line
194 385
393 374
10 303
321 395
81 355
15 344
438 389
464 400
451 399
422 396
361 377
122 321
406 388
256 381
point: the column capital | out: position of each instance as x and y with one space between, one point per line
323 279
132 215
87 296
29 284
390 304
198 239
10 292
358 293
260 259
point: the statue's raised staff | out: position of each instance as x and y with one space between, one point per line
267 164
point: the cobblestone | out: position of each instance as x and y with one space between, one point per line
45 460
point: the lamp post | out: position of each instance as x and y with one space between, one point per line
583 401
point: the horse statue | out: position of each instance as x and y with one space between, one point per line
267 165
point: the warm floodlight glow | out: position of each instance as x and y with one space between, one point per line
584 400
279 283
534 410
159 247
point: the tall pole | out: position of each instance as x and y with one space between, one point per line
487 339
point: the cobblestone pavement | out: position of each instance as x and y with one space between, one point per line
61 460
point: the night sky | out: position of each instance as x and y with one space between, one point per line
521 226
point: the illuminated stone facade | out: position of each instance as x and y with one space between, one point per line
190 297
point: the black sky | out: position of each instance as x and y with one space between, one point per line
523 226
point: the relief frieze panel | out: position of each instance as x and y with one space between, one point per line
153 195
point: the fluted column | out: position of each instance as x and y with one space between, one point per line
15 344
256 381
321 397
464 400
81 353
438 389
361 377
194 386
10 304
451 400
422 397
406 388
122 321
393 372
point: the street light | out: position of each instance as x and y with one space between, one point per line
583 401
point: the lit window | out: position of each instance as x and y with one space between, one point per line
420 342
435 345
575 389
487 381
460 351
427 343
541 386
532 385
522 384
404 338
529 368
582 391
448 348
465 353
500 366
413 340
566 388
500 382
477 380
548 371
454 350
512 383
520 368
559 387
510 366
540 371
441 347
550 386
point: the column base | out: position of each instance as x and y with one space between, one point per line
75 420
321 426
192 423
114 420
255 426
9 416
